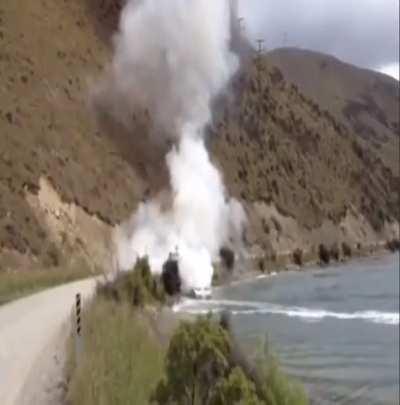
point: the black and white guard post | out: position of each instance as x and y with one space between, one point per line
78 333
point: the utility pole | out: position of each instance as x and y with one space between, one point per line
240 27
285 39
241 24
260 49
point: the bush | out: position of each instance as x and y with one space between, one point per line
261 265
235 389
197 358
393 245
334 252
298 257
216 279
346 250
171 278
324 254
205 367
228 257
137 286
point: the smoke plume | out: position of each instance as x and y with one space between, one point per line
172 58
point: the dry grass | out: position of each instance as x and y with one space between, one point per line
50 50
278 146
365 101
17 284
122 361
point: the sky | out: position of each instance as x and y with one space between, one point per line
361 32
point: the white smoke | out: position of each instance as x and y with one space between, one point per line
172 57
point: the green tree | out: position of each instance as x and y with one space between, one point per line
197 359
277 388
137 286
204 366
236 389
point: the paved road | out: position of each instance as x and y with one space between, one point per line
29 328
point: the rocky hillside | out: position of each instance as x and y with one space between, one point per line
63 184
306 168
367 102
305 172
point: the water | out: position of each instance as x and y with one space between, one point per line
336 330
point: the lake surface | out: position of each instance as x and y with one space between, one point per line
336 329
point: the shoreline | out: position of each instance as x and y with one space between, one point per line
253 275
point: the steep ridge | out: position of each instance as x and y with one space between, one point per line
366 101
287 156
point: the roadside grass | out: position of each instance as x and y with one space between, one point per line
137 287
122 361
17 284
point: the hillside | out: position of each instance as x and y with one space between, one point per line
304 171
58 175
366 101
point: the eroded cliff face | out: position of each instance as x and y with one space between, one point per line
69 174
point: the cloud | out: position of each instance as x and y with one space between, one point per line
362 32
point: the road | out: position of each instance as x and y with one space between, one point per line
31 330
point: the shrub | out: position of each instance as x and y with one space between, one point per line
228 257
197 358
216 279
334 252
235 389
298 257
205 366
277 388
393 245
324 254
171 278
137 286
261 265
346 249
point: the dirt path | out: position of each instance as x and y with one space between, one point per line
32 332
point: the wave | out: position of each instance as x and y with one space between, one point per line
197 307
